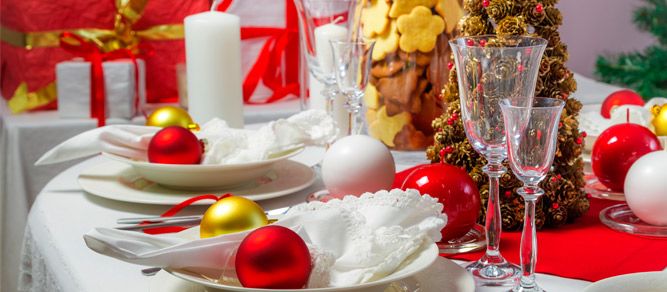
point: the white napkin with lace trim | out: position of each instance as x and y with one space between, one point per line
225 145
352 241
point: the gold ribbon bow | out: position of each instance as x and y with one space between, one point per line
121 36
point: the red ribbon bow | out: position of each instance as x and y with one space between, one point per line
93 54
267 68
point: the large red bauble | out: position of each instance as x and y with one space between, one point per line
174 145
273 257
617 148
618 98
453 188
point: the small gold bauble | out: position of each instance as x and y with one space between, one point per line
660 119
171 116
230 215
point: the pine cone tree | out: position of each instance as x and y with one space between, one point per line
564 199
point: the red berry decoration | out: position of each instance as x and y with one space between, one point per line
273 257
454 188
617 148
618 98
174 145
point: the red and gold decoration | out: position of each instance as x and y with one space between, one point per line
171 116
273 257
31 42
231 214
619 98
617 148
659 121
564 198
175 145
454 188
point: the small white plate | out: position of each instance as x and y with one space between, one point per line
637 282
119 181
424 271
205 176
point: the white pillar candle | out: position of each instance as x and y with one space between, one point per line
324 34
213 64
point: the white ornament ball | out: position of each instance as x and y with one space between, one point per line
646 188
357 164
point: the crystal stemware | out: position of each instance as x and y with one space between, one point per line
491 68
321 21
351 67
531 141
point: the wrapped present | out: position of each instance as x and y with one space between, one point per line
270 48
30 46
125 90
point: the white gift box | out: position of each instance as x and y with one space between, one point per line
73 87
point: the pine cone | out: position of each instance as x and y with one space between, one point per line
553 16
511 25
532 15
474 25
499 9
473 7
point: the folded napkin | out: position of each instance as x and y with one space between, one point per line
224 144
352 241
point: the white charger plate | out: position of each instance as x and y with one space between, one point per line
637 282
442 275
420 261
119 181
205 176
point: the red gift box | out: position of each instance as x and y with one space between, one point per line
29 48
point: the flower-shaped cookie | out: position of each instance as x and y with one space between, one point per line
371 98
451 11
419 30
385 127
374 17
400 7
386 43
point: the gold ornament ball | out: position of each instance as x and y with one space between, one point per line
230 215
660 119
171 116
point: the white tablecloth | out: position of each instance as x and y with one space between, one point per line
55 257
24 138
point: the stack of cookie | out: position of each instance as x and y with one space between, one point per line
410 65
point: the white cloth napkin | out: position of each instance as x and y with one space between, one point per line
352 241
224 144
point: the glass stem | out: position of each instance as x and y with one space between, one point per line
493 218
329 92
353 106
528 253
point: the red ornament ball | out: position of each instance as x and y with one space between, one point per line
175 145
273 257
454 188
618 98
617 148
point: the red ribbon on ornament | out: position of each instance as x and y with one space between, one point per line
175 209
281 42
93 54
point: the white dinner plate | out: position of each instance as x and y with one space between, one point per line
427 271
442 275
205 176
637 282
119 181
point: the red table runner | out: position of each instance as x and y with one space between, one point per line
586 249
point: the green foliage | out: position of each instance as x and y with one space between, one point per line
645 71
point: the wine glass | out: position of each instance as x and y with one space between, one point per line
491 68
351 66
321 21
531 141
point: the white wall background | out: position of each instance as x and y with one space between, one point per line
594 27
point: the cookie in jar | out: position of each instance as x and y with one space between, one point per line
410 65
